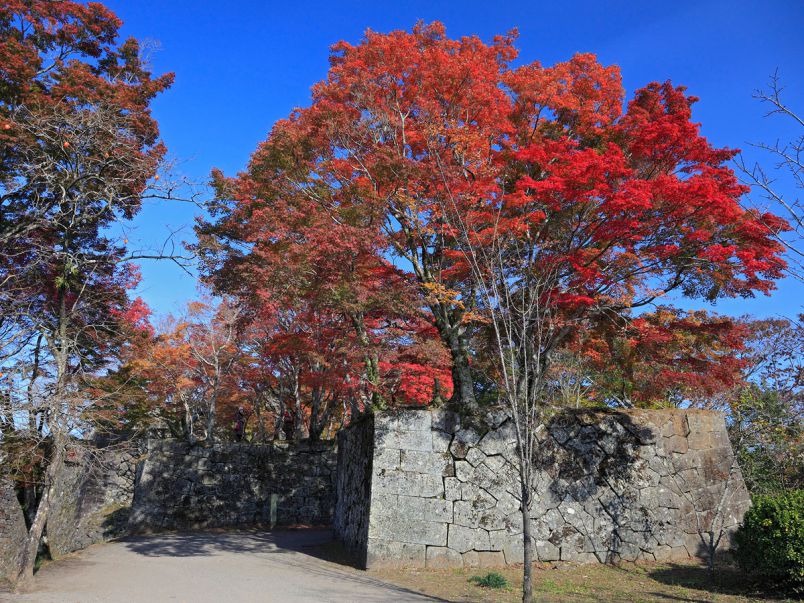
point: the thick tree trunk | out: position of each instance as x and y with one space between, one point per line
453 334
315 432
279 420
372 371
60 347
527 570
463 394
212 408
31 547
299 431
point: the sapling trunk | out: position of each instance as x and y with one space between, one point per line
527 570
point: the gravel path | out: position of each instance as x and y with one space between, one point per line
197 567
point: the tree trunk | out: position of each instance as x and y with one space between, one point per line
188 423
527 570
31 547
463 394
260 435
211 422
279 420
298 415
314 434
453 334
211 410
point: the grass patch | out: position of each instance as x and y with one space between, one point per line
554 587
490 580
644 583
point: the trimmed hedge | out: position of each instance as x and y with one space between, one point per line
770 541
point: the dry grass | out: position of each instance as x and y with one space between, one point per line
632 583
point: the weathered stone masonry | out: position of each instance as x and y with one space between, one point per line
353 490
106 492
416 488
93 497
611 486
229 485
12 529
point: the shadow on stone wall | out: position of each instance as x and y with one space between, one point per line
610 486
638 484
180 486
590 470
95 494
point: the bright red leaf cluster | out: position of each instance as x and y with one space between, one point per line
413 132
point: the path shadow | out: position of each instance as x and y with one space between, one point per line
728 580
215 541
288 547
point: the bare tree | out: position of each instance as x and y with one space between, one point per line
214 348
515 286
64 282
786 169
571 378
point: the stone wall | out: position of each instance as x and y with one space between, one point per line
611 486
181 486
353 489
93 497
12 530
112 490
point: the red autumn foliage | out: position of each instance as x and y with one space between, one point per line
665 357
413 132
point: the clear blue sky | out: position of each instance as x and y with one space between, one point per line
242 64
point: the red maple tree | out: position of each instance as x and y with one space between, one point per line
414 137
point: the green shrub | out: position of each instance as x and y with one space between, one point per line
490 580
770 541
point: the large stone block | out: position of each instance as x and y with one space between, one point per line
441 557
471 559
432 463
478 497
452 488
498 441
419 509
468 515
464 539
441 441
411 484
510 543
491 558
407 420
474 456
383 553
386 458
392 528
405 440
